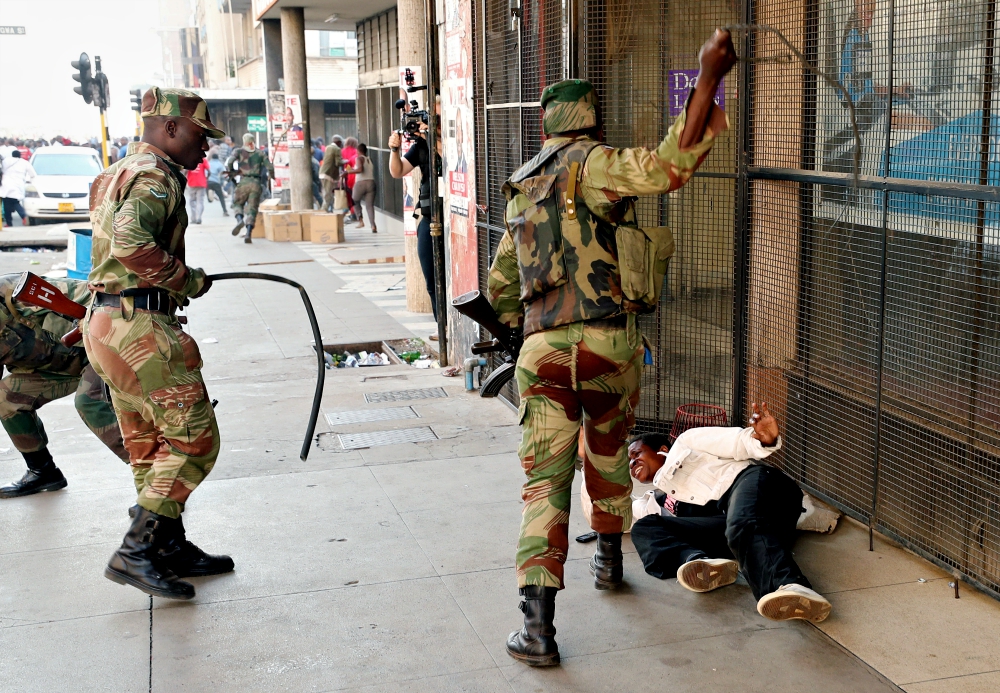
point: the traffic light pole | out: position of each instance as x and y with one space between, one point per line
101 81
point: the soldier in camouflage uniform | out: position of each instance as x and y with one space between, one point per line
41 370
246 199
136 344
557 275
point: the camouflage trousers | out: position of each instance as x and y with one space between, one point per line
22 394
153 370
246 200
572 376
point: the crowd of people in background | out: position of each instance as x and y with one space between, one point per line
344 165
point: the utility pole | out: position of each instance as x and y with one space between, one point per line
437 213
103 99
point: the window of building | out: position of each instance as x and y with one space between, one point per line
337 44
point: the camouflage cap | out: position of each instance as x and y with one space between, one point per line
569 105
179 103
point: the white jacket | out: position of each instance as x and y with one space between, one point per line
703 462
17 173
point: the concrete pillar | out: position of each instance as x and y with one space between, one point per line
274 71
293 53
413 51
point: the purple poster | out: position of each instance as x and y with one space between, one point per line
680 83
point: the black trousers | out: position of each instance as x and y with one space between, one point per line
425 252
756 527
11 205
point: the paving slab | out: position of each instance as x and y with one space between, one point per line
781 660
376 635
103 653
975 683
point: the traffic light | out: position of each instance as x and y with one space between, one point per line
102 95
136 100
84 77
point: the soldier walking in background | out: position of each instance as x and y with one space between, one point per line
246 198
136 344
42 370
570 216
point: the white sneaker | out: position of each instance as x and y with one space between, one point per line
707 574
794 601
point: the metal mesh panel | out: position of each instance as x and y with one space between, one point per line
642 57
867 315
872 312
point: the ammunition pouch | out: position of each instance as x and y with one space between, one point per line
643 255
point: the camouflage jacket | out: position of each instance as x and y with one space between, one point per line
575 276
29 336
250 163
138 215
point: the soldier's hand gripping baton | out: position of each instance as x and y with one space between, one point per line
475 306
35 291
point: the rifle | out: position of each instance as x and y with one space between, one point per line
474 305
35 291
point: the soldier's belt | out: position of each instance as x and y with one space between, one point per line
153 300
618 321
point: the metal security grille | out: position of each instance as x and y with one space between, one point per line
838 254
871 309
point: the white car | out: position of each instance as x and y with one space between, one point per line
61 189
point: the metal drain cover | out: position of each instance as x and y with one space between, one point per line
403 395
364 415
355 441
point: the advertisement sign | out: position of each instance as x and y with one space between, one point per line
935 124
459 148
279 143
293 122
680 83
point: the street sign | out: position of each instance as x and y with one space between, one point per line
257 123
11 30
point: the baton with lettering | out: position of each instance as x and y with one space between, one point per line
35 291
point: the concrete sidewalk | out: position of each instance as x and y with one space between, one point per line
391 566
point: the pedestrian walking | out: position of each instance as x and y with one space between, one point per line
197 189
570 214
215 171
364 185
348 154
17 173
136 344
329 171
253 166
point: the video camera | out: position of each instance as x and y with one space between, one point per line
409 121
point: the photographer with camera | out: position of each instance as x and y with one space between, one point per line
418 156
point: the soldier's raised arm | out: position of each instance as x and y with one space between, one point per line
612 173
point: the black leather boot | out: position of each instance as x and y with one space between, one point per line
535 644
42 475
137 562
184 558
606 565
239 224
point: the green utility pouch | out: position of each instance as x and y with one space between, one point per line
642 260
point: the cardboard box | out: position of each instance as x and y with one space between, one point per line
273 204
283 226
326 228
306 219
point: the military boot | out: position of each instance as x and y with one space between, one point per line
137 562
184 558
606 565
535 644
42 475
239 225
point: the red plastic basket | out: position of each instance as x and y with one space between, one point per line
696 415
